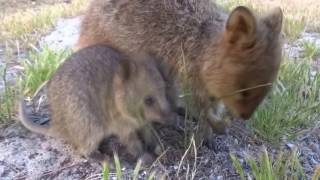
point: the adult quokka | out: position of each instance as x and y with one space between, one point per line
230 60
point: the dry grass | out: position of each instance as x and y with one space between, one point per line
24 24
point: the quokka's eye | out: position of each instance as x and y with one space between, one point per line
149 100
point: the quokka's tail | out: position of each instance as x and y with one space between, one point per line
29 123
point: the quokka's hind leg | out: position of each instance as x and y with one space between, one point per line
91 151
87 137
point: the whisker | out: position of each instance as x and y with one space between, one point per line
246 89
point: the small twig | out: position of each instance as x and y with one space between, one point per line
95 176
158 158
184 156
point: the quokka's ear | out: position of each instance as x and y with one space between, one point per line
126 69
241 26
274 20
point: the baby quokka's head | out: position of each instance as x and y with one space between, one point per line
241 67
140 92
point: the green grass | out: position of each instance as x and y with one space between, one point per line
310 50
6 98
39 68
293 27
119 175
293 104
283 167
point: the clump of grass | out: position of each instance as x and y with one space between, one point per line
293 27
40 67
292 105
266 168
6 97
105 171
310 50
35 21
107 174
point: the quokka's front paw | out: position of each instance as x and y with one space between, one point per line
219 119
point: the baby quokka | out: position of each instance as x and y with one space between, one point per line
99 92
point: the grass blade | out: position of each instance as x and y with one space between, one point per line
237 165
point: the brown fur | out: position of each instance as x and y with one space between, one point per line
221 53
99 92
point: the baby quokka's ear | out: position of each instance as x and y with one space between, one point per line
126 70
241 27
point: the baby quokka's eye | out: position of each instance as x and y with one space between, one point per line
149 100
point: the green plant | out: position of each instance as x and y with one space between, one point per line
310 50
105 171
119 175
292 105
293 27
6 97
118 167
284 167
40 67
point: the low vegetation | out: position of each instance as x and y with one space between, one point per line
292 106
310 50
283 167
39 67
6 97
134 175
18 31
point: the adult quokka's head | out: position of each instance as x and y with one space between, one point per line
141 92
247 56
